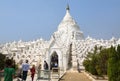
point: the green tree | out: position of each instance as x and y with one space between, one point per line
102 62
118 63
112 65
96 62
2 61
86 64
91 61
92 67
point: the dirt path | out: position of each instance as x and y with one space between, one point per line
74 76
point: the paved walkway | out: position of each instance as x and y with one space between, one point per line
35 79
74 76
68 76
54 77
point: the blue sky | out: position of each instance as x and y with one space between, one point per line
33 19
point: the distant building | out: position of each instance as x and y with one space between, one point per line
66 47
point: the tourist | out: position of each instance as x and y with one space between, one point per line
46 70
39 68
25 68
9 71
32 70
78 66
55 65
45 65
19 71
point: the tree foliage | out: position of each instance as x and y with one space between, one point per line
104 62
2 61
97 61
114 64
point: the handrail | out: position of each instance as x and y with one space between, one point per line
44 75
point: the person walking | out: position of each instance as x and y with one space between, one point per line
25 68
46 69
32 70
39 71
45 66
78 66
9 71
46 74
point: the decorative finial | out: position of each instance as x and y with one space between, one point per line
67 8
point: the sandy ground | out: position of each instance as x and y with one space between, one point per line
74 76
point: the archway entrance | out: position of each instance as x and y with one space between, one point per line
54 60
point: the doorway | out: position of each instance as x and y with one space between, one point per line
54 60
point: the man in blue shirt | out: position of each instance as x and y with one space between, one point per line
25 68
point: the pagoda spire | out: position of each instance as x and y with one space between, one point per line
67 8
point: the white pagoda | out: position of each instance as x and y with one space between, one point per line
67 46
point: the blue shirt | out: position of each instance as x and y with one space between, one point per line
25 67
